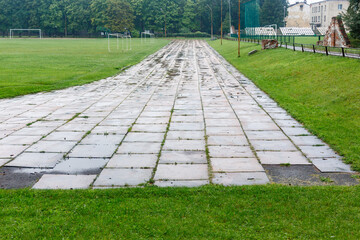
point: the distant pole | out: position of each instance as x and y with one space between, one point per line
239 35
221 24
230 16
212 28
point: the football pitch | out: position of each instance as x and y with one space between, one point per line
34 65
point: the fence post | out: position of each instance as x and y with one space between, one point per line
326 50
286 45
343 52
314 48
302 47
294 46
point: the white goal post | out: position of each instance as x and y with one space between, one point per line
147 34
125 41
22 30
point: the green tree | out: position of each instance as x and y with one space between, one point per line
352 18
189 18
272 12
119 16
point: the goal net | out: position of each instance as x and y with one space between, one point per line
147 36
30 33
119 40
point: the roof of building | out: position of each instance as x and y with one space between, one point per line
294 4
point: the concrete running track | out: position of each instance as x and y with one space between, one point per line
182 117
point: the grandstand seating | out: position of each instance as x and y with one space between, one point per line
260 31
292 31
322 30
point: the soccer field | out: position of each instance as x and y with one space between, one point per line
34 65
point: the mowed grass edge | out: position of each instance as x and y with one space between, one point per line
36 65
210 212
322 92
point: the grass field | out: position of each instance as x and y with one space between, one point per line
321 92
34 65
252 212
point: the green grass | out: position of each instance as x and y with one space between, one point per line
257 212
34 65
323 92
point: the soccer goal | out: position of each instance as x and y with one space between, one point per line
28 31
147 36
123 39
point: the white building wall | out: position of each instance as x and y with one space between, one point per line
322 12
298 15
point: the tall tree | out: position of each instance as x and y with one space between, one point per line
189 17
272 12
352 18
119 15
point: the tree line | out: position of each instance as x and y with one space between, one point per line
89 17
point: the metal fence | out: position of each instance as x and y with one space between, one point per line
313 48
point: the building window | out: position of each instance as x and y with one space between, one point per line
318 18
324 18
325 8
340 6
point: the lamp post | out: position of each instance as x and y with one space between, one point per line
212 29
164 20
284 16
230 17
221 23
239 35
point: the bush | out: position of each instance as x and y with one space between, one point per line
190 35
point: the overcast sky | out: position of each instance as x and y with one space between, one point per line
309 1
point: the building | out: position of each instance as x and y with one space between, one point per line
322 12
298 15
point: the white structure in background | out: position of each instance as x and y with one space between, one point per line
322 30
268 31
322 12
147 35
125 39
298 15
24 30
293 31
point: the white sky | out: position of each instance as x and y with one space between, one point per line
308 1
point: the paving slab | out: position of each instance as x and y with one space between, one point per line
187 145
228 140
52 146
139 147
36 160
230 152
144 137
280 145
236 165
19 140
195 183
123 177
133 161
59 181
93 151
240 179
188 157
80 166
185 135
11 151
64 136
282 158
331 165
181 172
102 139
